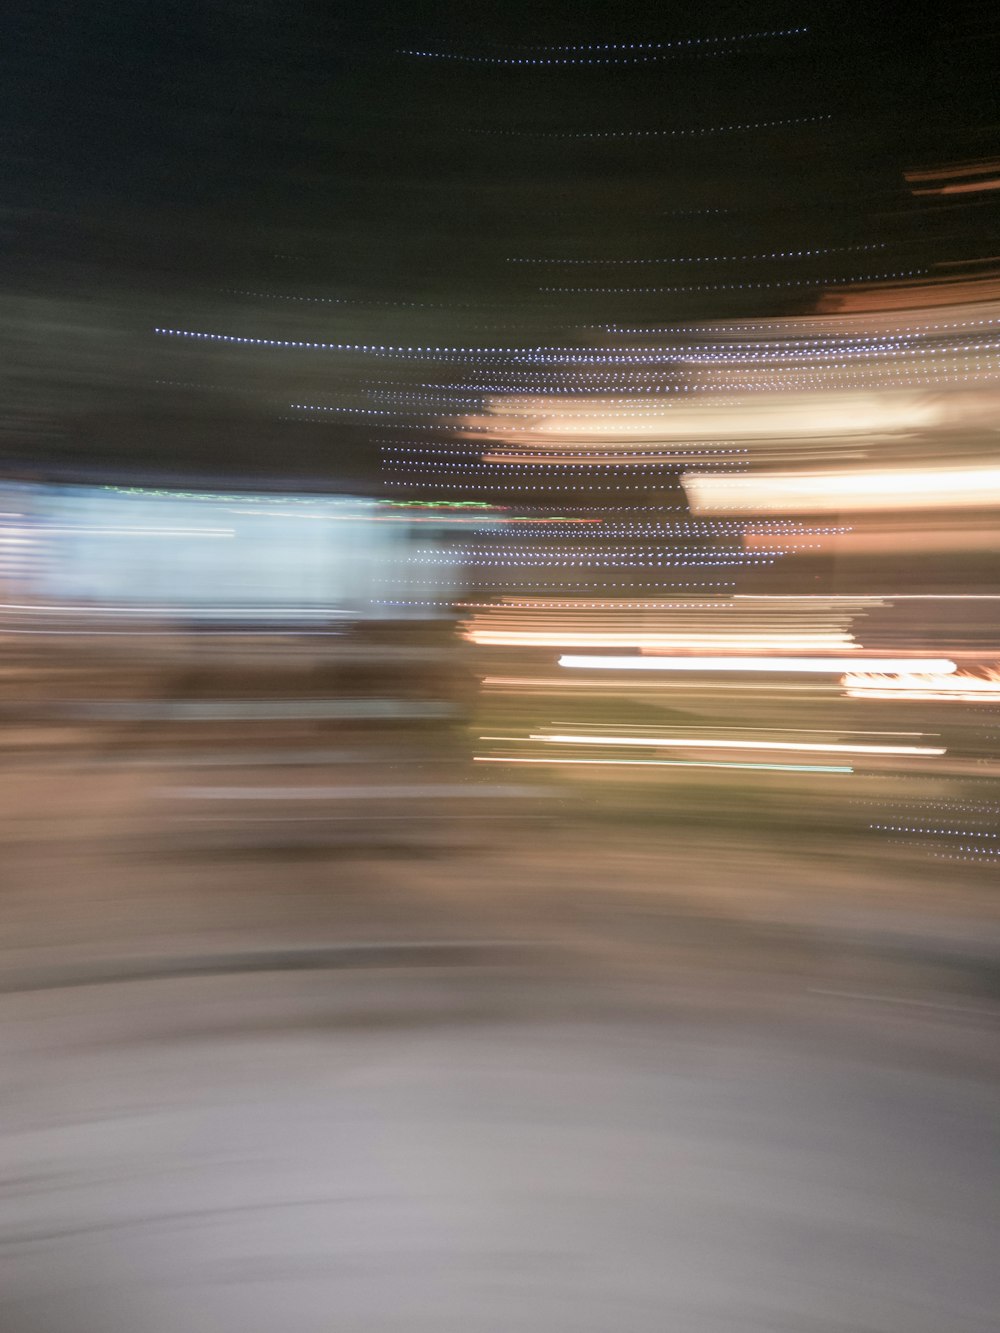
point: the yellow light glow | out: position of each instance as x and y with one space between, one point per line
836 492
962 686
579 422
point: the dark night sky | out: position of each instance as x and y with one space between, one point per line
160 158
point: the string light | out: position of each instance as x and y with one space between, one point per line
690 132
616 53
559 358
712 259
743 286
344 300
562 459
936 832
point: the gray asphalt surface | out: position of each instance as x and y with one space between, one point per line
536 1077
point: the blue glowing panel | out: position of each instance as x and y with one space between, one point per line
209 552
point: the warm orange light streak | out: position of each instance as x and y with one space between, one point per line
888 538
874 299
953 171
843 491
966 187
963 686
771 416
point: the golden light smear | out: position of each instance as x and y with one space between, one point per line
843 491
962 686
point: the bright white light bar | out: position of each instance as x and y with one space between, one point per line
694 743
645 642
815 665
671 763
834 492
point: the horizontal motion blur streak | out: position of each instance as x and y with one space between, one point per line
672 763
695 742
835 492
818 665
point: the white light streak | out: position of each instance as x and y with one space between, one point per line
653 642
812 665
671 763
696 743
834 492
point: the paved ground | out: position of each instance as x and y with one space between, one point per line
477 1062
